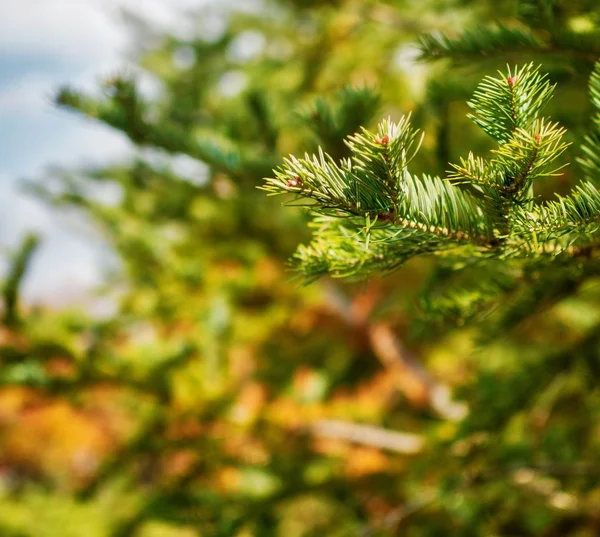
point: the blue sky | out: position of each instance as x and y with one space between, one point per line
44 44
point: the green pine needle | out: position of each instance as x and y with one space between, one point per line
513 100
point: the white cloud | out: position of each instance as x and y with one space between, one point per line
69 28
66 267
81 29
50 43
27 95
19 214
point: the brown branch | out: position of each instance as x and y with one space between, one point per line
412 379
369 435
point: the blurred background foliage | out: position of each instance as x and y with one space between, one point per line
220 397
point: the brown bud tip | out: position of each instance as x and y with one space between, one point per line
537 138
384 140
512 80
294 182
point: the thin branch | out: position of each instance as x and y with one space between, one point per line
369 435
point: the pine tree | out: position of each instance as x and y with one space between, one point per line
456 396
507 261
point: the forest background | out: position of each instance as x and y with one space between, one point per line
212 394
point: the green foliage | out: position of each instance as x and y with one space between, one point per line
591 147
457 396
13 281
544 27
353 109
474 43
512 101
401 216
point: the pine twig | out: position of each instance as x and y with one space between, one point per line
10 292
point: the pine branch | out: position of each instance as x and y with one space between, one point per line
574 216
331 124
13 282
527 156
389 215
369 183
373 214
344 250
538 13
591 146
434 221
375 183
125 110
543 34
475 43
503 105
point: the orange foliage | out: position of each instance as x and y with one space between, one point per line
56 439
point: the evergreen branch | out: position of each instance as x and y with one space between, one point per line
125 110
367 183
348 251
331 186
13 282
480 42
591 146
503 105
508 177
472 170
383 158
374 214
500 40
433 217
437 206
462 305
575 215
539 13
376 184
527 156
332 124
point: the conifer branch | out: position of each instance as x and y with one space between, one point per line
124 109
575 216
369 183
12 286
538 13
373 214
480 42
544 31
503 105
332 124
527 156
590 162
